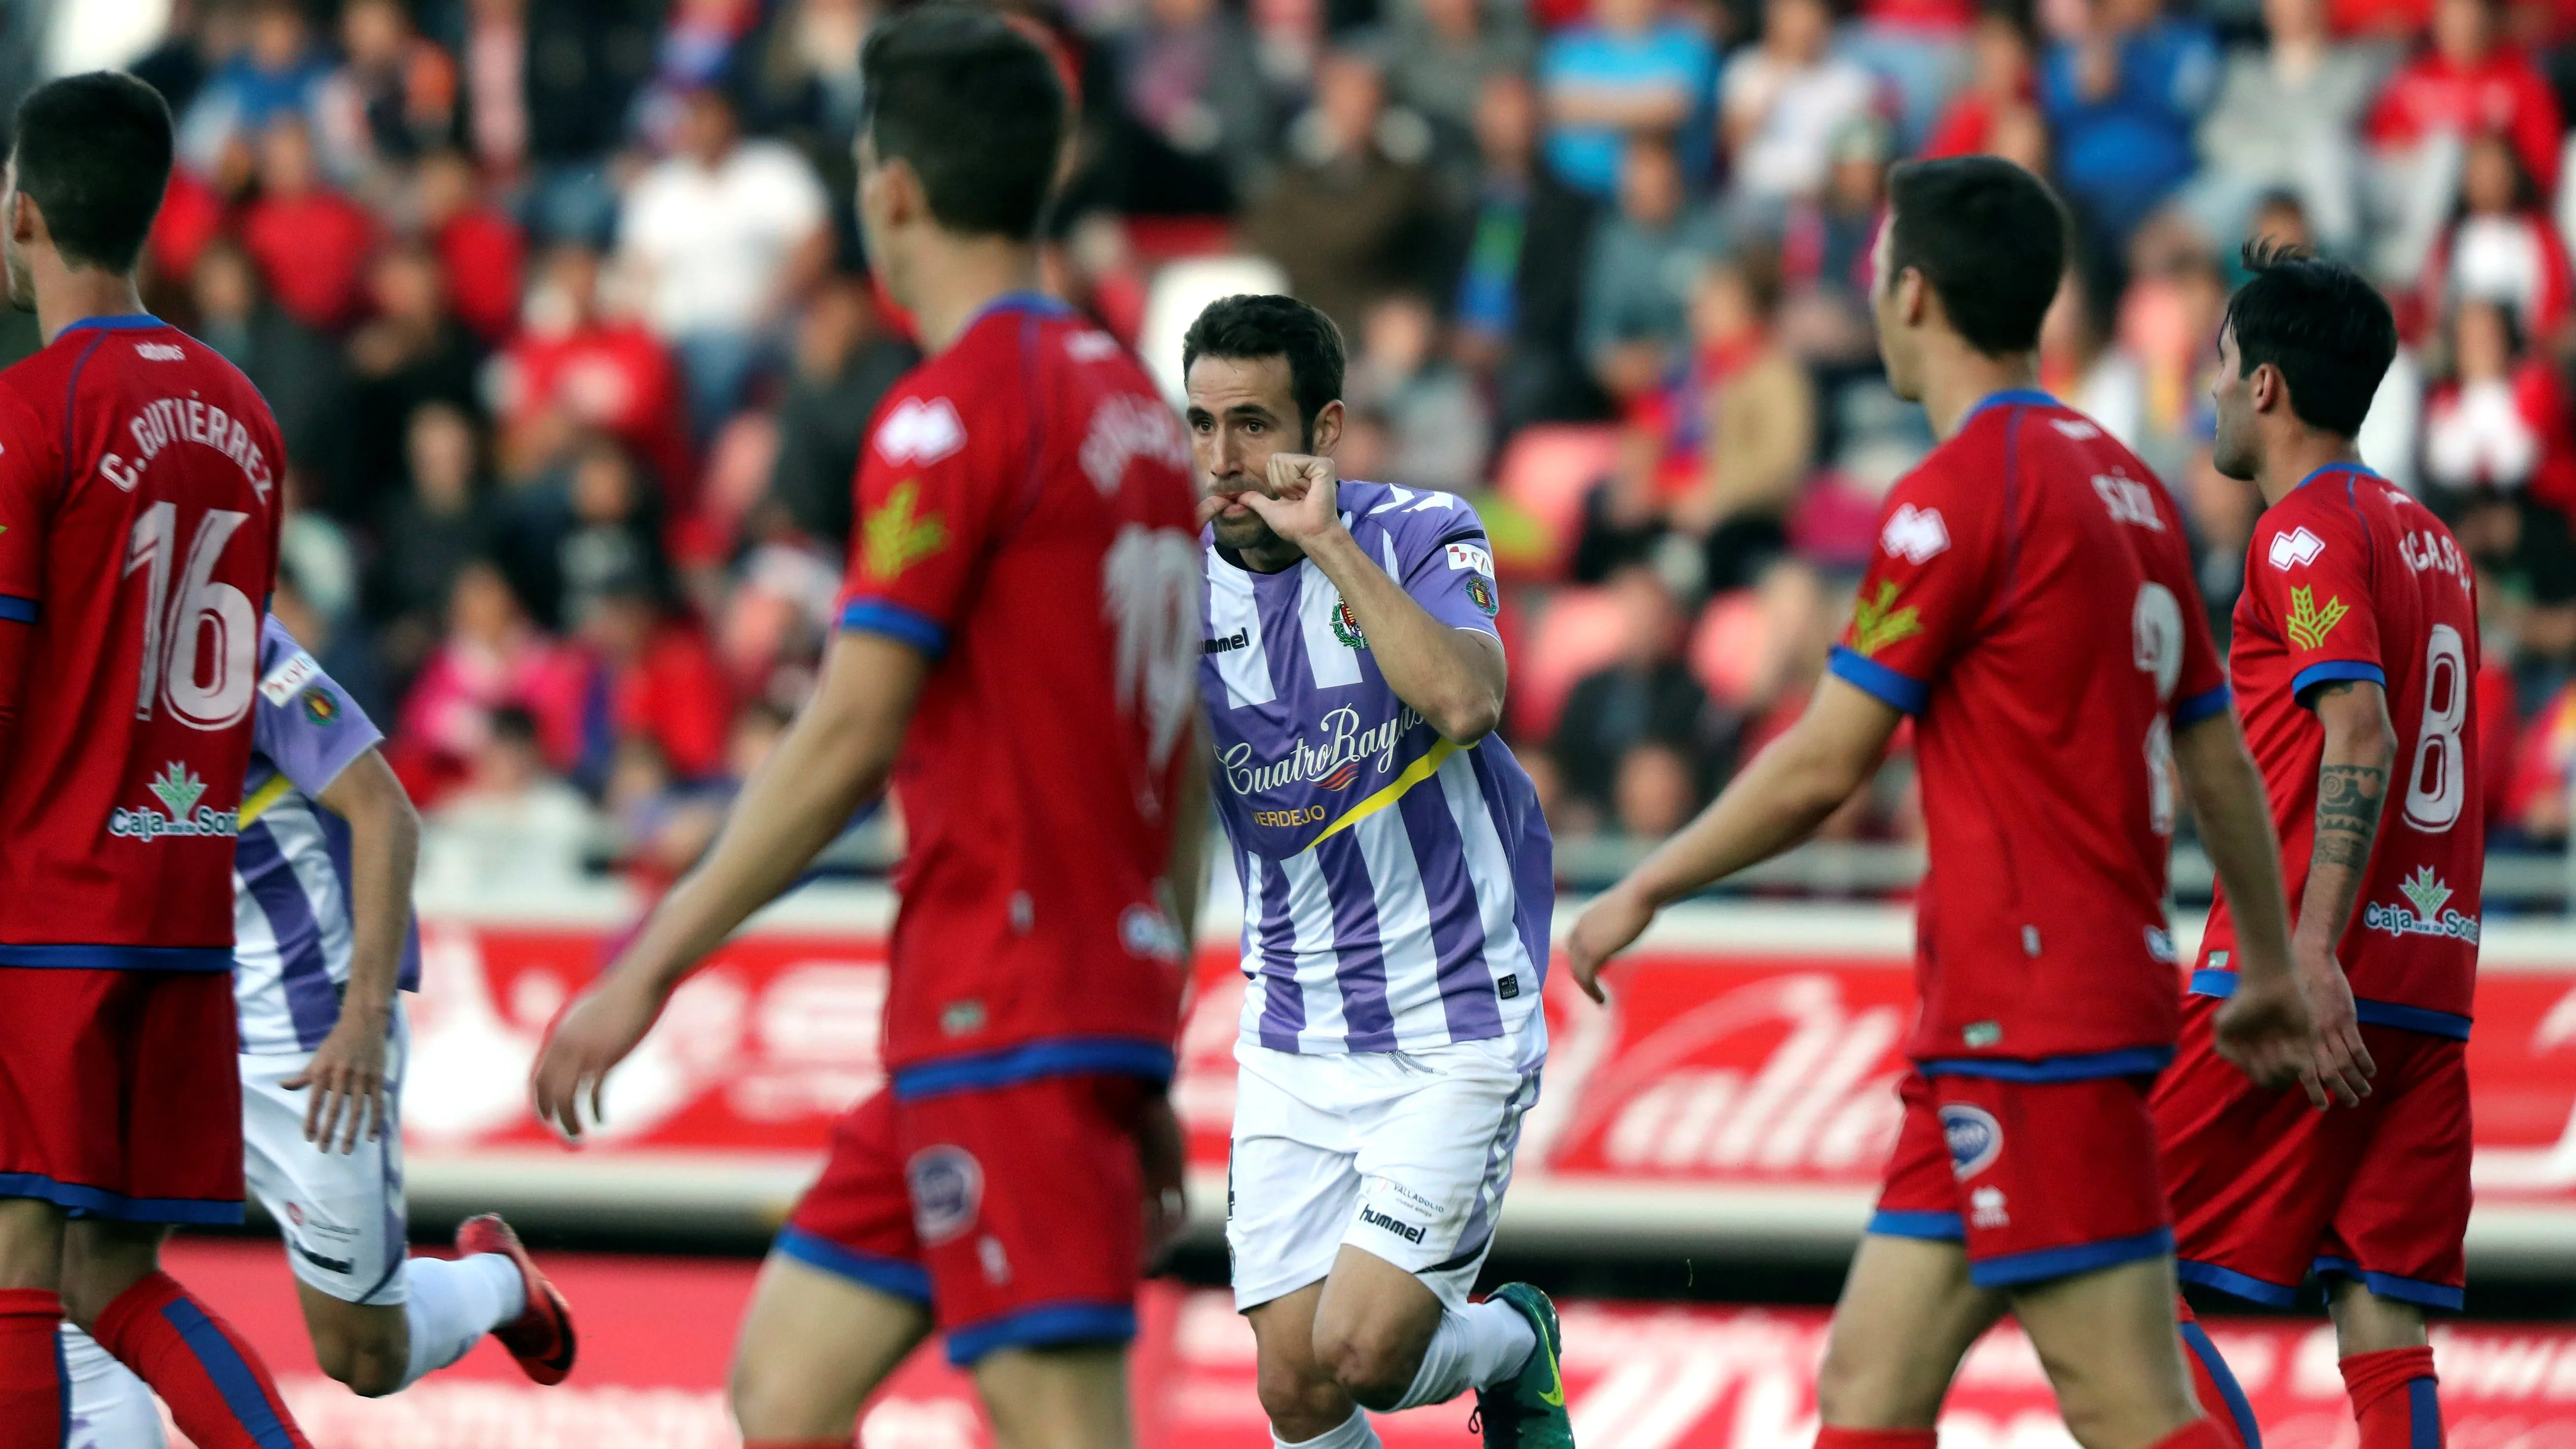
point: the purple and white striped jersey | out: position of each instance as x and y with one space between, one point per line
291 916
1396 886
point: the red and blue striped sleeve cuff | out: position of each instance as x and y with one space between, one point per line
18 610
1903 692
2329 670
898 622
2192 709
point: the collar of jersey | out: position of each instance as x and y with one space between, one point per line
2009 398
1020 301
2362 468
131 322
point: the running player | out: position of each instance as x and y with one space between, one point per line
1017 648
1397 883
323 947
2031 605
2356 648
139 512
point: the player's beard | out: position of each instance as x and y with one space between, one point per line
1249 534
2230 454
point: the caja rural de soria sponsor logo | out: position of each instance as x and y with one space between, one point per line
179 788
2426 912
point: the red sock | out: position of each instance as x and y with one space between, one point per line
2200 1433
35 1407
1829 1437
2215 1385
214 1383
2394 1398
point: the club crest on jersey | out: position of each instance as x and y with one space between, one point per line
1346 625
920 431
2426 912
180 790
320 705
899 535
2295 549
1974 1137
1481 594
1877 622
1914 534
947 1188
2309 625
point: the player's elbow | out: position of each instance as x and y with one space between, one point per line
1474 714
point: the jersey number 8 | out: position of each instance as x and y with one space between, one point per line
2155 628
176 622
2436 780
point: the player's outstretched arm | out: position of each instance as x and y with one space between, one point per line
2352 782
832 760
2264 1028
1772 804
347 1072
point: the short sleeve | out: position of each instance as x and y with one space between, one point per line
1930 580
305 723
27 479
2310 578
927 505
1443 559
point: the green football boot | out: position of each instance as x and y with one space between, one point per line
1527 1411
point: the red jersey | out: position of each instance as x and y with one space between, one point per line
139 509
2031 604
2348 577
1027 521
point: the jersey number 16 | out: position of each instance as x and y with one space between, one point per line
206 682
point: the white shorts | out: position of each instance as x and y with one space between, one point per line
1402 1154
340 1213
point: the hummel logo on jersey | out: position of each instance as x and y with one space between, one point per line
180 789
898 537
2297 548
1875 625
920 432
2309 625
1401 1229
2426 913
1914 534
1239 639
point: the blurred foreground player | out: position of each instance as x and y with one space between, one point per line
2031 605
139 512
2356 648
323 947
1019 649
1397 881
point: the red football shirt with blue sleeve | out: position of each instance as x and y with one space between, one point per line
2030 603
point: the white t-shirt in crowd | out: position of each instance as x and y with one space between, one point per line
708 243
1800 108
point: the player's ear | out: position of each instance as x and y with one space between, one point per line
1911 294
2268 388
26 224
900 199
1328 428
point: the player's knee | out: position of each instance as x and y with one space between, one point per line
1372 1362
369 1364
1300 1401
1858 1387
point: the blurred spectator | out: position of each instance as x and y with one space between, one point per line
479 247
413 351
574 366
1921 48
1439 55
438 524
2169 320
547 87
844 364
661 825
201 37
1782 103
1824 250
2285 120
511 830
1629 71
1656 792
311 242
2002 81
695 55
1436 424
2468 82
1638 279
392 98
809 77
2083 365
2122 95
725 236
491 658
2500 247
1520 275
1746 415
295 368
1647 697
587 526
2501 419
1350 212
1192 116
647 676
277 75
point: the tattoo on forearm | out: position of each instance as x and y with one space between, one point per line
2348 798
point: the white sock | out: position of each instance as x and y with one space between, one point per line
1354 1433
1474 1349
450 1304
111 1409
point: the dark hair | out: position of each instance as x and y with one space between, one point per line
94 152
1990 241
1249 326
513 724
975 107
2329 332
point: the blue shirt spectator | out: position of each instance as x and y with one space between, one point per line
1625 71
280 72
2122 100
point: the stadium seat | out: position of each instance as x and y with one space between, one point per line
1728 645
1574 632
1546 470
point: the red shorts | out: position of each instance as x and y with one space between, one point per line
1015 1213
2039 1180
120 1095
2267 1190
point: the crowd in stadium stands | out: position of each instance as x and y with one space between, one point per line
562 307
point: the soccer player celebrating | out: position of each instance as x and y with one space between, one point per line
1018 650
2356 651
322 946
139 512
2030 604
1397 883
